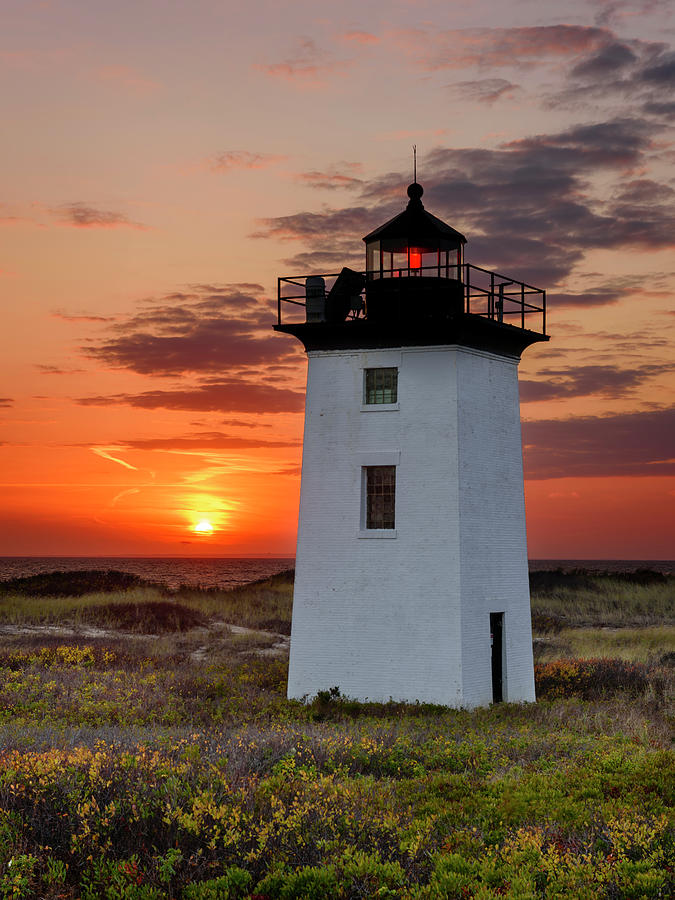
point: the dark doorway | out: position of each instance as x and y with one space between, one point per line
497 648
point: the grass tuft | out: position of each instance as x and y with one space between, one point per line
154 617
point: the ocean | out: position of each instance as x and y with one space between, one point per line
225 572
220 572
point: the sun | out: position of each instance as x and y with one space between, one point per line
203 527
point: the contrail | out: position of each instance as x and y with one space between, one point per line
100 452
123 494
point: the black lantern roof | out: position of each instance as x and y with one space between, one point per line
415 225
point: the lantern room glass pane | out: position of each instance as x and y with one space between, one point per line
430 266
373 258
400 262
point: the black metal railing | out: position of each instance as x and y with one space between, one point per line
488 294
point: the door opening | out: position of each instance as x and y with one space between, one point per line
497 651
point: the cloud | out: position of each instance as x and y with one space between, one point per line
56 370
587 298
225 395
208 440
581 381
206 328
306 64
6 401
81 215
528 207
632 444
230 160
500 47
485 90
128 78
288 470
600 292
240 423
639 73
83 317
331 222
608 60
103 453
340 177
660 71
121 494
360 37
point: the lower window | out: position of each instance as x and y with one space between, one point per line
380 496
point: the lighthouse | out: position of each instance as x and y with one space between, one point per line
411 575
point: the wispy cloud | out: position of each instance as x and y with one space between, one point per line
128 78
82 215
208 440
225 395
230 160
360 37
81 317
125 493
485 90
583 381
103 453
307 64
342 176
47 369
497 48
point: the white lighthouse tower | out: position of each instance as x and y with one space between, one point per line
411 572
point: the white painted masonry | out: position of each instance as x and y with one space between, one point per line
405 613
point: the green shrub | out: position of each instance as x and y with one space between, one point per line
230 886
306 883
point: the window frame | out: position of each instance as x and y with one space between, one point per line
375 524
368 392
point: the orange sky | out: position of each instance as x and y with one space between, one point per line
164 163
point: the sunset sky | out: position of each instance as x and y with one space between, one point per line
163 161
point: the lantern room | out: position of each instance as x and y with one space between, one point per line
417 289
414 244
414 258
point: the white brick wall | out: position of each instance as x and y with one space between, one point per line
406 615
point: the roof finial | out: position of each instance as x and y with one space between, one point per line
415 190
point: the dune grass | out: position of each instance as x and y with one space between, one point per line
143 606
573 599
654 642
264 605
559 600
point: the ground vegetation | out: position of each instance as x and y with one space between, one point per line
147 751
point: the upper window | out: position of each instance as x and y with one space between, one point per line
380 485
380 385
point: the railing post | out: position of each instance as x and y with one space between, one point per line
522 305
468 287
278 301
491 301
543 312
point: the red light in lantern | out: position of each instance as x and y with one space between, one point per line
415 258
